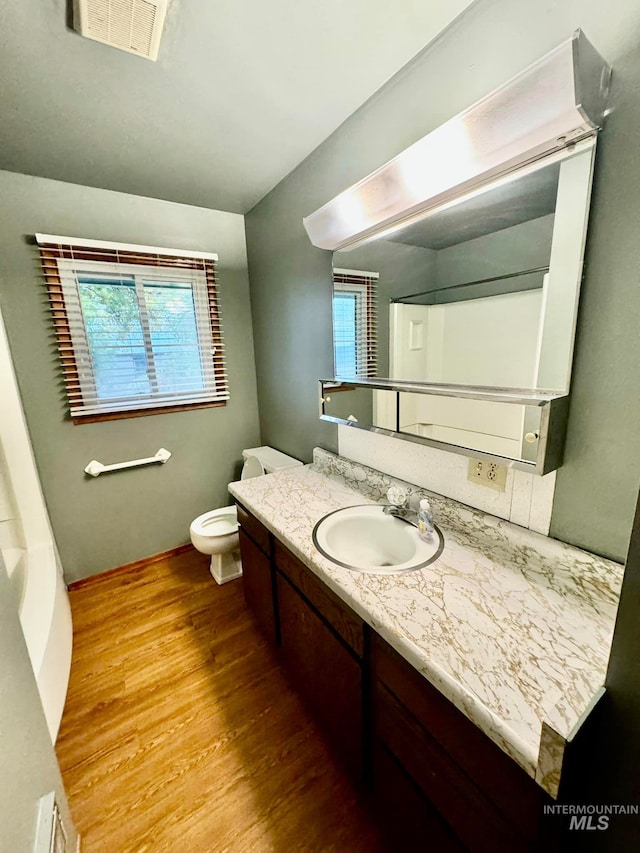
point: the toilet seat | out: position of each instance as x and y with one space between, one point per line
218 522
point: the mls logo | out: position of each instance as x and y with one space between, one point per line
588 822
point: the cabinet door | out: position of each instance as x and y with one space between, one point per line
489 802
257 579
410 822
443 784
326 673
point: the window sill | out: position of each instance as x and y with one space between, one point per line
140 413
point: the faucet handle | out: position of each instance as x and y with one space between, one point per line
397 495
413 500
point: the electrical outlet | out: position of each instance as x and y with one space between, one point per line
487 473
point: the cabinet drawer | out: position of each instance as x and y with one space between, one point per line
342 619
257 531
506 784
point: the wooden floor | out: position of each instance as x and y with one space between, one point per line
181 733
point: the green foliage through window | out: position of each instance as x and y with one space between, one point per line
142 336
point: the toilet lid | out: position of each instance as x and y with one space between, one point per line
252 468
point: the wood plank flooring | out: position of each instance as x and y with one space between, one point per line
181 732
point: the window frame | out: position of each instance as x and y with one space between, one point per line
364 286
63 271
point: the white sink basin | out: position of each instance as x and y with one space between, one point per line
365 539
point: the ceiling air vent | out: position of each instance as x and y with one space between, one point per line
131 25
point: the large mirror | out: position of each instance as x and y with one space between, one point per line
481 292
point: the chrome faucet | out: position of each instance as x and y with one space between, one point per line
399 505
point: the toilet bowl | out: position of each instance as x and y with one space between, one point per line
216 532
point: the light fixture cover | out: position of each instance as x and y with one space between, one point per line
557 101
131 25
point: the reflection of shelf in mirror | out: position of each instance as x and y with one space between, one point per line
448 288
337 386
463 423
519 396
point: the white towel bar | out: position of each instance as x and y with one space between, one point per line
95 468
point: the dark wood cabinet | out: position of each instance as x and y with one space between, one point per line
324 670
322 645
347 625
439 783
321 640
488 802
258 580
253 528
409 820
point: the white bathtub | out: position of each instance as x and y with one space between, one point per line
34 569
45 616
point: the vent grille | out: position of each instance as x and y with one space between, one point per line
131 25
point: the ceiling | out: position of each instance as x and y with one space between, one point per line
243 91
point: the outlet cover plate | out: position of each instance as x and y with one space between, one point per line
487 473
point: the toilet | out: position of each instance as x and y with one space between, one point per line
216 532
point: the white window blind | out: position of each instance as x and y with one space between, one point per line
138 327
354 323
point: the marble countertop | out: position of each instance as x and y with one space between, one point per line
514 628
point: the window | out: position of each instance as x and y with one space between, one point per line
354 323
138 328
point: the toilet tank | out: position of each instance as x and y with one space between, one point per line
271 459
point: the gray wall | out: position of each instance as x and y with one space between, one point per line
28 766
521 247
290 279
117 518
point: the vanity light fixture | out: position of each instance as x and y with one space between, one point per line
553 104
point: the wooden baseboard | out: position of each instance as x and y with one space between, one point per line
132 567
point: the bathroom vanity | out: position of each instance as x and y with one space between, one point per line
452 690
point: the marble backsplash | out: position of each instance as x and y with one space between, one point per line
538 553
527 499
